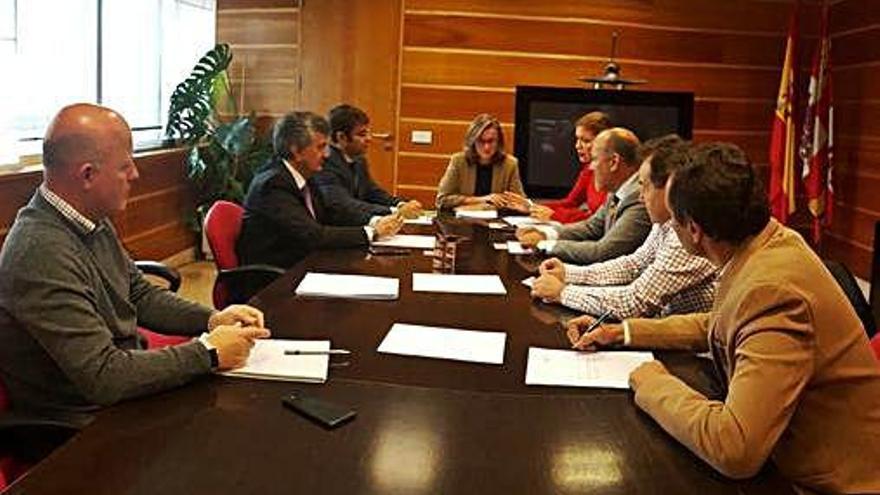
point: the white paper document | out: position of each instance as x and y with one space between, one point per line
348 286
529 282
459 284
609 369
481 214
500 246
407 241
514 247
422 220
267 361
497 225
445 343
522 221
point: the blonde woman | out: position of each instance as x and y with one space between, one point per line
483 175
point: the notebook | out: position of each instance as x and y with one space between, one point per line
348 286
267 361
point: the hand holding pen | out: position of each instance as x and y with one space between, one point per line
587 333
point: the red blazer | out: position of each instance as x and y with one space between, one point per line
567 209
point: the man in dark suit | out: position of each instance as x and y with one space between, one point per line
285 216
345 181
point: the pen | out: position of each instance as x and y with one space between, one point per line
316 353
600 320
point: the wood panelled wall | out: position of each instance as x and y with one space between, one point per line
153 225
855 44
265 39
463 57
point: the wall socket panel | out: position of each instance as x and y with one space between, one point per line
422 137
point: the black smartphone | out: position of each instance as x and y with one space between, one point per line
326 413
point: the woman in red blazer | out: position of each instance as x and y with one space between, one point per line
583 200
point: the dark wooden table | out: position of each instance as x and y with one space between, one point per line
423 425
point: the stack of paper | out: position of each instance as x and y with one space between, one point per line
481 214
514 247
267 361
459 284
408 241
422 220
445 343
522 221
348 286
581 369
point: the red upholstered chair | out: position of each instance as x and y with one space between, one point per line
172 278
234 284
875 345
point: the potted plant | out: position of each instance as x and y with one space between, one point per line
224 148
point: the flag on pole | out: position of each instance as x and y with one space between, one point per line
817 143
782 138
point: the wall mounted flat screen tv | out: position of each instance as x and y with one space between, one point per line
545 117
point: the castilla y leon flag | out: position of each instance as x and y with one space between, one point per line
817 149
782 139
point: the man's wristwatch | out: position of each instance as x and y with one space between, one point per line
215 358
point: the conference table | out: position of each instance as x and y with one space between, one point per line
422 426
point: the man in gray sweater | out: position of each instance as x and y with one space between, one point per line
619 226
71 299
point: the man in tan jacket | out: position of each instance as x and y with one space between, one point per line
802 385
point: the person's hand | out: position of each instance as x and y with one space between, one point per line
234 343
514 201
547 288
646 371
553 267
603 335
410 209
240 314
540 212
494 199
388 225
529 236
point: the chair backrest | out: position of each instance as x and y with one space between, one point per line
222 226
875 345
847 282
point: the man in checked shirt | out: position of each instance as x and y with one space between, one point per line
659 278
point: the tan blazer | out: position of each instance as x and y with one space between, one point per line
802 385
460 180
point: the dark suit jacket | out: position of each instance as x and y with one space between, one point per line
348 187
277 228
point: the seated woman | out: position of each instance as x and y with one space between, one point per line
584 199
483 175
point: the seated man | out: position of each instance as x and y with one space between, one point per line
584 199
345 181
621 224
71 299
285 217
660 278
802 386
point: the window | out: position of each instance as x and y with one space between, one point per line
125 54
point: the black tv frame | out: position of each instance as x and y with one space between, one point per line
525 95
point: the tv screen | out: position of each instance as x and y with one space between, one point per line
545 117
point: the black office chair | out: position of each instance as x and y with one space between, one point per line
847 282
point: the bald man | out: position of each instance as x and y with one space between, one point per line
71 299
619 226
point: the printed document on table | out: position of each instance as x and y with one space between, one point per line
522 221
529 282
422 220
458 284
515 247
609 369
267 361
407 241
480 214
444 343
348 286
